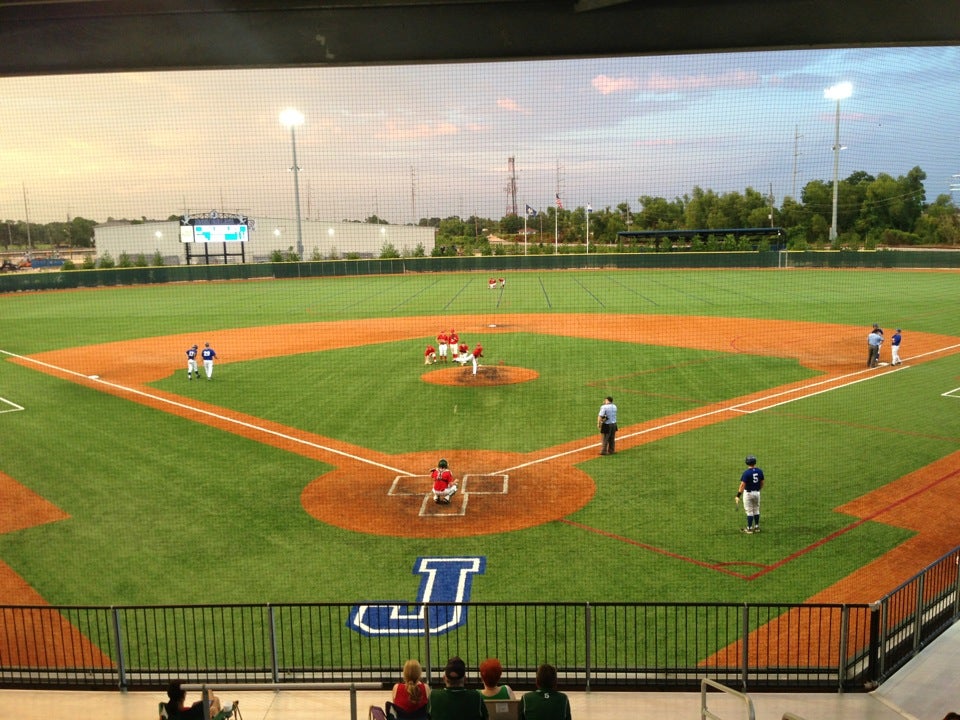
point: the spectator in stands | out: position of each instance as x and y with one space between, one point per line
951 716
454 701
412 694
545 703
178 710
490 672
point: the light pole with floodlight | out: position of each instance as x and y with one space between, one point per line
838 92
291 118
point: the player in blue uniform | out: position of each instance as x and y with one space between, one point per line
192 368
895 347
208 354
751 482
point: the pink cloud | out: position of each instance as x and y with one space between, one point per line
393 130
606 85
674 83
512 106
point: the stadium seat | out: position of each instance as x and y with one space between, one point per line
395 713
503 709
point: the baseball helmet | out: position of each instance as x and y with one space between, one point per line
442 463
751 460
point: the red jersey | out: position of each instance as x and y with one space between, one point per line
454 338
441 479
478 351
463 348
429 351
442 338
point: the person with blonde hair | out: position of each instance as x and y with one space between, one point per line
490 672
412 694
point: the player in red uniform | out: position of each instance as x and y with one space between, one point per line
444 485
476 355
429 355
454 339
442 340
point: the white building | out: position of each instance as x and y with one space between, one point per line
321 240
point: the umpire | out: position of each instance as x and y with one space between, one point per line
751 482
607 424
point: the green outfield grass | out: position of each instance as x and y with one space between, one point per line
163 509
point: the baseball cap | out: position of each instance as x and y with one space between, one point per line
455 668
899 330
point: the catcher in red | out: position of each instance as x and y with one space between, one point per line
444 484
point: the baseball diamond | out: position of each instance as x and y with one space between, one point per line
356 487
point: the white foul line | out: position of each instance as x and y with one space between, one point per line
201 411
738 406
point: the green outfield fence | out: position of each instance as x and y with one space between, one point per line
628 646
54 280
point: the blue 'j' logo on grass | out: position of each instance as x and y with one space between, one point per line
442 580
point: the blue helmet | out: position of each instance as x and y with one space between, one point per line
442 463
751 460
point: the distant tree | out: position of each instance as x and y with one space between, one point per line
388 251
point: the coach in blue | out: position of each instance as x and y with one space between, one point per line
751 482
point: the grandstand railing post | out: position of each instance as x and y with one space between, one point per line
118 639
956 588
745 646
274 658
426 641
918 613
587 621
844 629
353 701
873 658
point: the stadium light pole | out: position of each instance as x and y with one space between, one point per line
838 92
291 118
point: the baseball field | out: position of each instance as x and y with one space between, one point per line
299 472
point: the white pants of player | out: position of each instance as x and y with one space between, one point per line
442 348
208 368
430 359
463 358
751 503
451 489
474 360
895 355
192 367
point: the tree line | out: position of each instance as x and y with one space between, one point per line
872 211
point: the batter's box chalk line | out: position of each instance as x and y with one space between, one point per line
955 393
470 484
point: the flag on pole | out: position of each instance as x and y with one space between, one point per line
559 204
531 213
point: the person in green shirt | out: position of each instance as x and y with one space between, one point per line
545 703
454 701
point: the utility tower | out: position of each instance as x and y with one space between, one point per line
511 188
413 195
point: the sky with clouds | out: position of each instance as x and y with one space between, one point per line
411 141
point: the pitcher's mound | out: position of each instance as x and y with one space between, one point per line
487 375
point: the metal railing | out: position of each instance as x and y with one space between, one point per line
660 646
